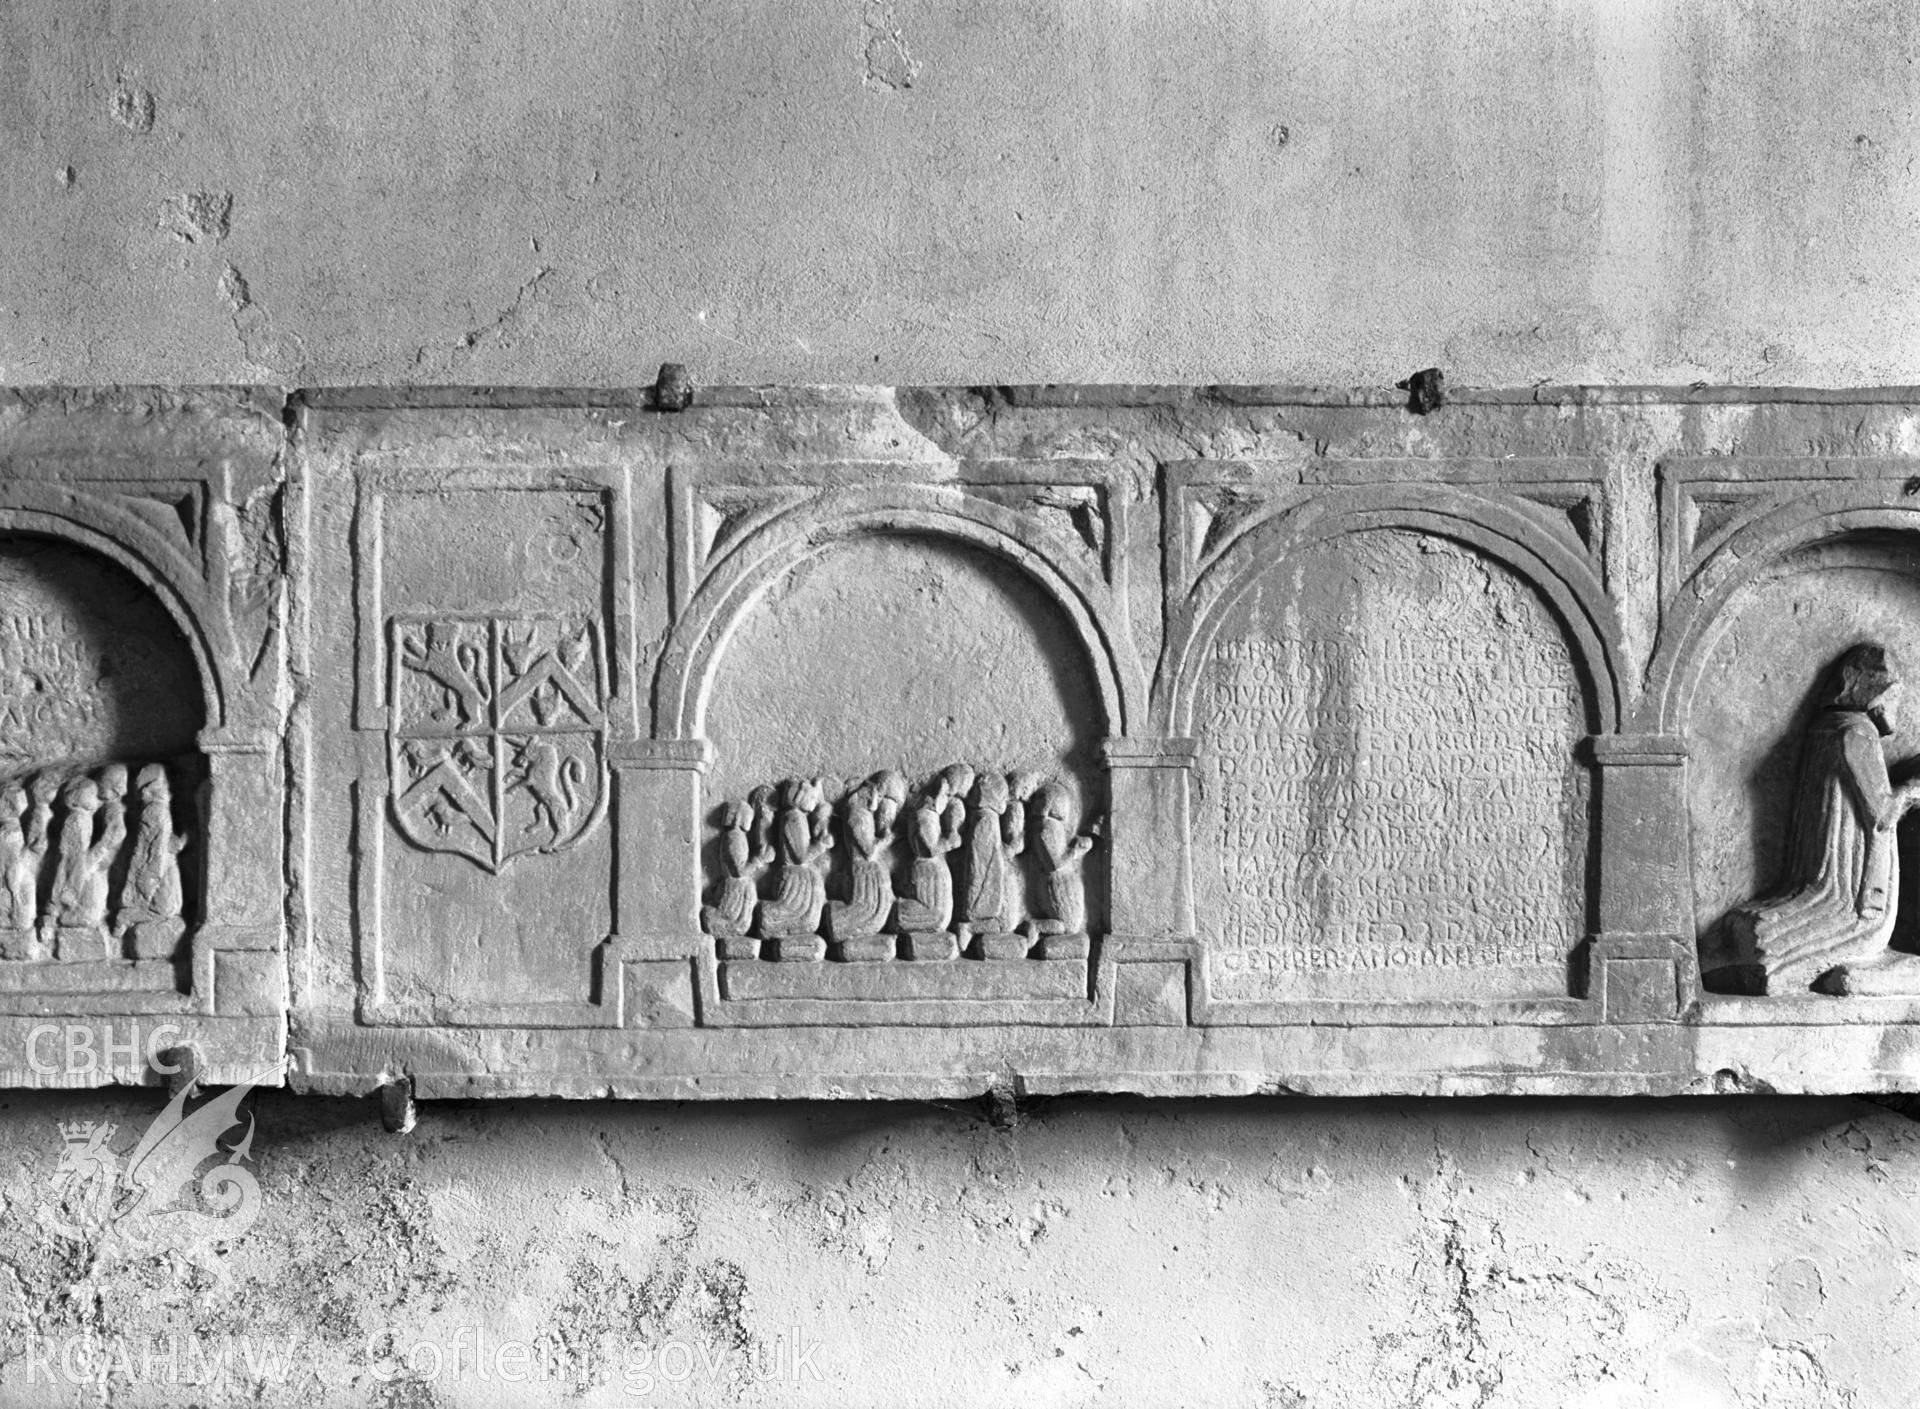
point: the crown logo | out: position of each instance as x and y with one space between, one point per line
83 1132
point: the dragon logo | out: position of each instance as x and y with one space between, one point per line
497 735
179 1187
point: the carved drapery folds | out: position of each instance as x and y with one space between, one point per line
1785 664
968 863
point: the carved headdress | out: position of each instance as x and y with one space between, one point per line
1859 680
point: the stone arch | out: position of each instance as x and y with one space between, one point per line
1571 588
50 512
700 635
1748 557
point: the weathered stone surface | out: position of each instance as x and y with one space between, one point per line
143 733
1390 806
808 741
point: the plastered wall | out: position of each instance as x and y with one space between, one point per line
909 192
900 191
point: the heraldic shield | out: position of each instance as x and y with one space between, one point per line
497 739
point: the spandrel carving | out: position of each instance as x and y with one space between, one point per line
1830 925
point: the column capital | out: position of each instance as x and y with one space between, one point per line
1150 752
1638 750
682 755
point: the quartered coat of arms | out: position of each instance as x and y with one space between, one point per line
497 737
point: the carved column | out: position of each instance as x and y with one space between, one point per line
1642 962
657 801
237 964
1149 851
656 915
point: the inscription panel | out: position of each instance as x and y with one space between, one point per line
1388 804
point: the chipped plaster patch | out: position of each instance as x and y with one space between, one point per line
263 344
890 63
193 216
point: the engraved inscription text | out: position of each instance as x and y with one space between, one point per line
1388 795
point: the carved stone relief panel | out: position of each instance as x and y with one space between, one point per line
1792 684
1390 670
933 814
861 742
97 801
485 713
1769 698
142 729
1388 804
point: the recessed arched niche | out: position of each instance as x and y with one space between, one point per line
1750 706
100 708
1388 803
92 669
910 653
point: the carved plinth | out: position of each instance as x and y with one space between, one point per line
911 983
82 944
1001 946
934 946
1638 978
155 939
1891 975
1063 946
738 947
802 949
871 950
20 944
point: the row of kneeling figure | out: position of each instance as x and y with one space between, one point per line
968 834
88 887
